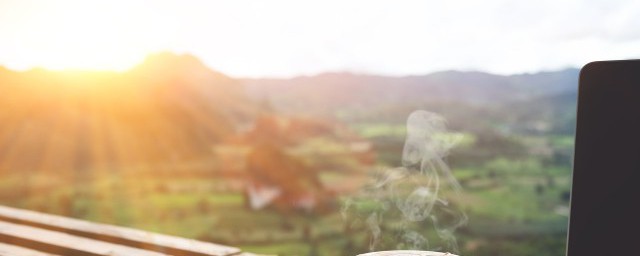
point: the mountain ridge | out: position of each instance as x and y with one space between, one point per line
333 91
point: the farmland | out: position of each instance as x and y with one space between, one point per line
173 156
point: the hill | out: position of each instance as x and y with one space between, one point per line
169 109
462 97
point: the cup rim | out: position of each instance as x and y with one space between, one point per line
407 253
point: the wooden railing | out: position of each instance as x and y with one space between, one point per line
24 232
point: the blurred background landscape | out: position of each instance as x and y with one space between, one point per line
172 146
253 123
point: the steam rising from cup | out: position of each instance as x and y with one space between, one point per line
410 207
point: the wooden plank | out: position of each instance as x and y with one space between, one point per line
12 250
62 243
126 236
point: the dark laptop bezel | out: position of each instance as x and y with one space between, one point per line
603 195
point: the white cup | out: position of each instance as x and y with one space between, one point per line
407 253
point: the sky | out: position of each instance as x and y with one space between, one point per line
285 38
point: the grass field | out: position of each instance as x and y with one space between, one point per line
516 206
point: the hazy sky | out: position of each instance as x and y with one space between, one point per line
286 38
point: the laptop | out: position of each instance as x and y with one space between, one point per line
605 200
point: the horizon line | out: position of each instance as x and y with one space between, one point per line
271 77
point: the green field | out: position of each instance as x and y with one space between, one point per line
516 206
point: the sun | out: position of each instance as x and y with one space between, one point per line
107 35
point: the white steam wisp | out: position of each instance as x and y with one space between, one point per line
404 204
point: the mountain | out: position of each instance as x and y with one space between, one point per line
186 77
172 109
331 92
169 109
462 97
